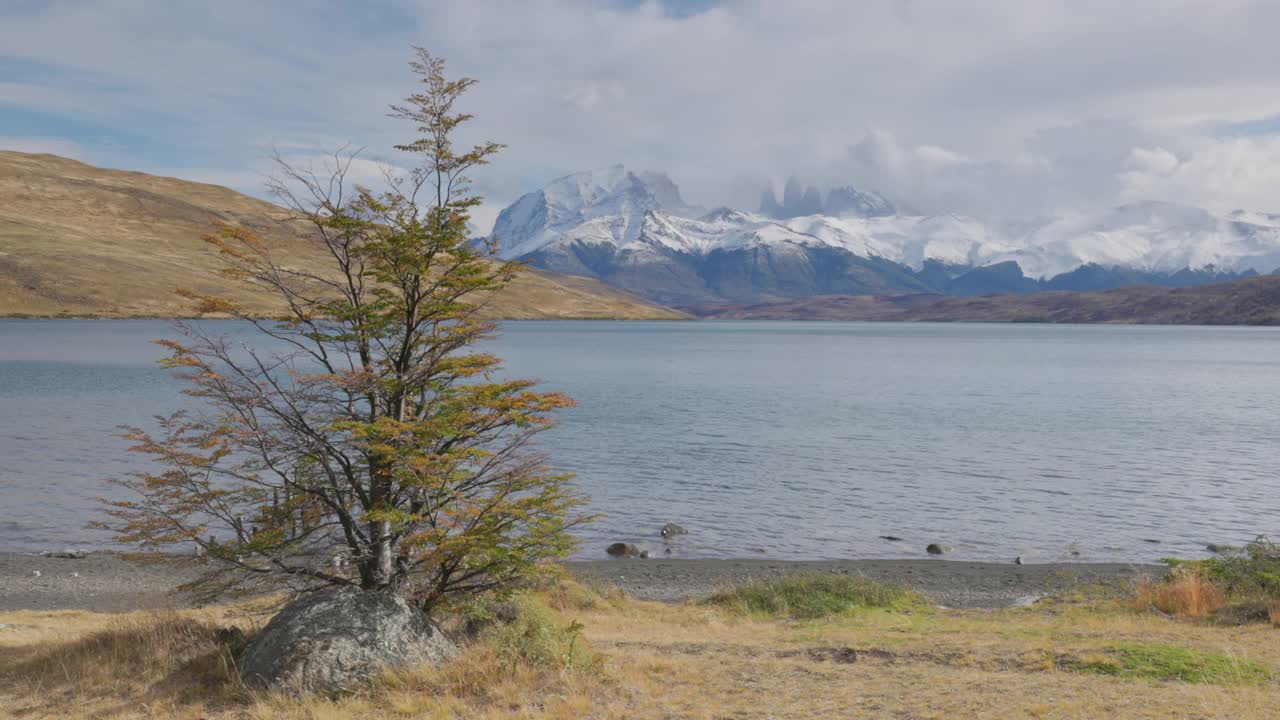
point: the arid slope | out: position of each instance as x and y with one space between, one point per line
77 240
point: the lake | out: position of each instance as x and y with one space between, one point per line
784 440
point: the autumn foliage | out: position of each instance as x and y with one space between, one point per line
361 439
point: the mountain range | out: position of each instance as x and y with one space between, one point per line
634 231
76 240
84 241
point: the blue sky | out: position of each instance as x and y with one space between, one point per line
989 107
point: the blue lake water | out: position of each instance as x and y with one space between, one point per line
785 440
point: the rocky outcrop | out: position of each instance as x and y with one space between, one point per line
625 550
671 530
333 640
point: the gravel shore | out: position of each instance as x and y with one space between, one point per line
105 582
952 583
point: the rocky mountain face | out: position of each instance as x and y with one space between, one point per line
848 200
841 202
615 193
634 231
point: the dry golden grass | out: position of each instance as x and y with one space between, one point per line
76 240
687 661
1186 594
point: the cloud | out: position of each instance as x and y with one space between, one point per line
1231 173
1000 107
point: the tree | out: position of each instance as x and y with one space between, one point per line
364 440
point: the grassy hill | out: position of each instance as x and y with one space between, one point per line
76 240
1250 301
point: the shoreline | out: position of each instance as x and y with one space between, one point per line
105 582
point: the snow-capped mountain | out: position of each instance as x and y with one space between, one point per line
848 200
633 230
568 202
1151 236
841 202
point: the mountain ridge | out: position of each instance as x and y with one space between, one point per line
731 256
1248 301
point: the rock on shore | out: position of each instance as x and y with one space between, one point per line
331 640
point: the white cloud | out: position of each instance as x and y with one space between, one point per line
1225 174
986 106
1155 161
940 158
594 95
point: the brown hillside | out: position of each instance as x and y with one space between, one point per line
86 241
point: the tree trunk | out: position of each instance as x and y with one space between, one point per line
382 557
382 560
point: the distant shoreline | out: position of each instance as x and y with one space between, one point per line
20 316
105 582
729 316
1253 301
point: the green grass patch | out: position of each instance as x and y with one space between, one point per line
1165 662
539 638
807 596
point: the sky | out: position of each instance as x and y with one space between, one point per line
995 108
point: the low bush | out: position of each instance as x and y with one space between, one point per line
1252 572
1185 592
538 638
1244 612
568 594
1240 587
806 596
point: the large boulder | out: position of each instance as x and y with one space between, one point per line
332 640
625 550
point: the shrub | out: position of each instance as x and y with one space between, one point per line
1237 588
569 594
537 637
1254 572
1243 612
1185 592
813 595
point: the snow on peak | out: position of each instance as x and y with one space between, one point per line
644 213
539 217
848 200
1153 236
